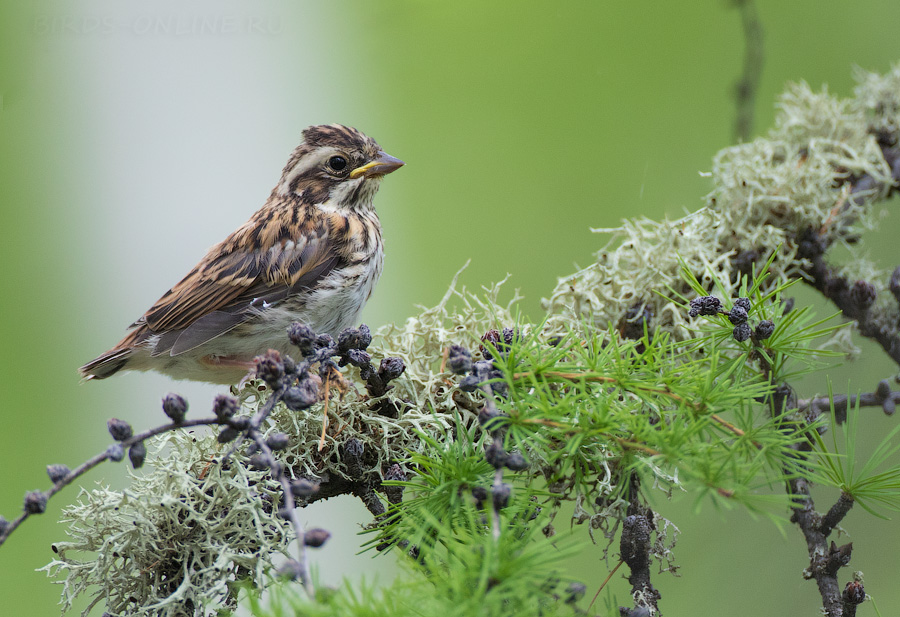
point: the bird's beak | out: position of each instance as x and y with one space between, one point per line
384 164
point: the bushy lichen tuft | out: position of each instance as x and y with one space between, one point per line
766 194
424 393
174 542
878 99
177 539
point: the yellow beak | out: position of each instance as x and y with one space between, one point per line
384 164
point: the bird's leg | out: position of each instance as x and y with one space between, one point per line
250 376
325 412
229 363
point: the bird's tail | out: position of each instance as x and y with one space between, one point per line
108 364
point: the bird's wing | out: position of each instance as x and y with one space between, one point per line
233 283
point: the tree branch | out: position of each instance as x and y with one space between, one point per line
856 299
836 514
882 397
748 84
634 549
823 565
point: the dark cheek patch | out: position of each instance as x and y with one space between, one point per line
316 193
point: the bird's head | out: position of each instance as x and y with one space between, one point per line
336 165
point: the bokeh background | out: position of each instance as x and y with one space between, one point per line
134 136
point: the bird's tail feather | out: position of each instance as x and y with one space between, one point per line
109 363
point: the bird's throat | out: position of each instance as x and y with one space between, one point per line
357 195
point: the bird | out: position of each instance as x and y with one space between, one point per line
312 254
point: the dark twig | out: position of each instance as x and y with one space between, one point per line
838 557
836 514
882 397
394 494
289 512
364 489
485 376
108 454
823 562
284 375
747 86
634 549
495 454
855 299
291 383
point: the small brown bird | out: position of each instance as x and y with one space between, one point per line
312 253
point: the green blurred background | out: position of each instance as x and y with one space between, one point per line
134 137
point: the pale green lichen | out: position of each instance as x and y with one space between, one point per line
181 535
176 540
878 99
423 391
765 195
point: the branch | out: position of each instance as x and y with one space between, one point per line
296 384
634 550
882 397
836 514
36 501
364 489
856 299
298 569
747 86
824 560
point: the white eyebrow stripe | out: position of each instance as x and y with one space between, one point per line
313 159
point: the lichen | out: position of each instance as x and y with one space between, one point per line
178 538
765 195
878 99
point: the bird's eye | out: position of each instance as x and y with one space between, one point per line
337 163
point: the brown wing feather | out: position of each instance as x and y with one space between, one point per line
317 263
231 283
